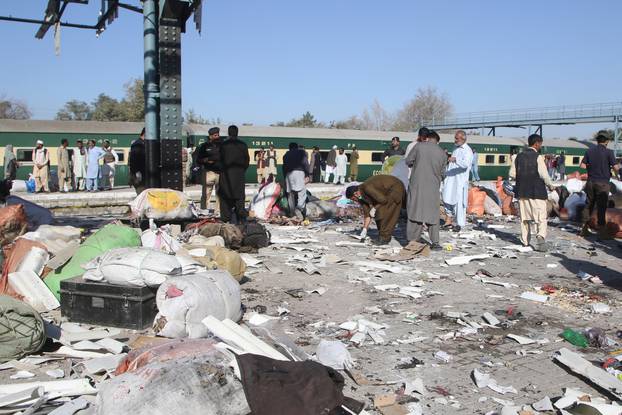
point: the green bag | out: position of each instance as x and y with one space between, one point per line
109 237
21 329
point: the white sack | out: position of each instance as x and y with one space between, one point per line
138 267
213 292
575 185
617 184
200 240
264 200
19 186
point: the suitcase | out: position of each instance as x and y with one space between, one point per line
103 304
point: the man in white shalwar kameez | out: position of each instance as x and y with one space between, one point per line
341 168
456 184
79 165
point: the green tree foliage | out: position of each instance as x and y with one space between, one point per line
306 121
106 108
75 110
14 109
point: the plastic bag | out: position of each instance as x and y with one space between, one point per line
185 301
334 354
491 207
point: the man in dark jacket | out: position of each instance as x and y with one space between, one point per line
296 173
381 197
208 157
599 161
137 161
331 164
234 160
394 150
532 180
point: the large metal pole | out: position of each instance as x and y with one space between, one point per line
616 137
152 94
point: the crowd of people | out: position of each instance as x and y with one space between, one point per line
440 180
89 167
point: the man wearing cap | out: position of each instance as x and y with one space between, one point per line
41 168
599 161
208 157
331 164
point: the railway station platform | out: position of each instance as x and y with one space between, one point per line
115 202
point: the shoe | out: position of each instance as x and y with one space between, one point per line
436 247
585 231
456 228
541 245
381 242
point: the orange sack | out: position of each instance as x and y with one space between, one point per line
476 201
613 221
13 223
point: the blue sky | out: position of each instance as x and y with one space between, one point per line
271 60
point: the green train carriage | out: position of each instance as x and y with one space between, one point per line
493 152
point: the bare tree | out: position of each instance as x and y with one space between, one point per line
14 109
428 105
352 123
377 118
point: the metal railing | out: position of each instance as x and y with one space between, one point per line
527 115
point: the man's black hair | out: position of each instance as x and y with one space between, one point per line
433 135
64 140
213 131
533 139
142 132
423 132
603 136
396 138
232 131
293 146
351 190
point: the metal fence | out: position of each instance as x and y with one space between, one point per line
586 112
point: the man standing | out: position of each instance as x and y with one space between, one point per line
354 164
41 168
138 163
381 197
260 159
341 167
64 168
331 164
315 165
111 158
79 165
475 167
532 180
598 161
94 154
271 162
456 186
296 173
427 162
208 157
234 160
187 163
561 166
394 149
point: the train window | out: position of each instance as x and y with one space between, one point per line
576 160
490 159
121 155
377 157
324 155
24 155
503 159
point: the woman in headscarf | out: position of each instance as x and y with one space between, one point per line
10 163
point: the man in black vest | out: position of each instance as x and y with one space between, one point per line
532 180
